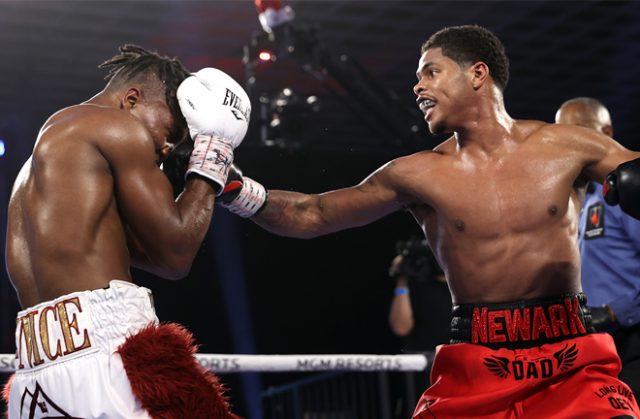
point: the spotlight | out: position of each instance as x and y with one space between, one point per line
266 56
2 149
288 120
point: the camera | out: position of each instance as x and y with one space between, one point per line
418 262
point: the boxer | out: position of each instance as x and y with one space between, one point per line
90 203
495 201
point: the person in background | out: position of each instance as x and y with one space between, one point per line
610 249
420 310
421 306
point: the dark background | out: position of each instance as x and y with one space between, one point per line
254 292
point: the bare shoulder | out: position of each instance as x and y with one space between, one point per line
582 139
562 135
107 128
406 175
592 150
412 165
525 129
109 123
99 134
404 170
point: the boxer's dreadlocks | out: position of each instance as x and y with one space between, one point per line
134 60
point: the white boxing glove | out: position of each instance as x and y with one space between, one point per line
217 111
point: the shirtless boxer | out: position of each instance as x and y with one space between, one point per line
90 203
495 203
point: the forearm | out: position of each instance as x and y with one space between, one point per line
401 313
626 308
195 207
169 250
141 259
293 214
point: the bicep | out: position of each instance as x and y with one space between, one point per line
305 216
604 154
143 193
370 200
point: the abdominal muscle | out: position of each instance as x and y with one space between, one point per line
508 266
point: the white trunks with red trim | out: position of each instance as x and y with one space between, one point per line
66 349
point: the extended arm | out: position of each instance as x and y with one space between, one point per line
309 215
615 165
305 216
603 153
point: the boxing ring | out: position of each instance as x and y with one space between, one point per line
231 363
340 386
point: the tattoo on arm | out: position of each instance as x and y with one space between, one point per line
274 211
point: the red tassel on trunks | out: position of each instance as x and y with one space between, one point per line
5 394
166 377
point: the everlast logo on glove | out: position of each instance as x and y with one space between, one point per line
217 112
233 100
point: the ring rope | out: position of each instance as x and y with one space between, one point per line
231 363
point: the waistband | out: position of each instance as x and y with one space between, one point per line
523 323
81 323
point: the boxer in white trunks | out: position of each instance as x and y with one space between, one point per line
91 202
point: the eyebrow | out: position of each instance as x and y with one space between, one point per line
424 66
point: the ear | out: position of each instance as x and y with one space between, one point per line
166 150
608 130
130 98
479 73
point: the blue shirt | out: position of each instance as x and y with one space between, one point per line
610 252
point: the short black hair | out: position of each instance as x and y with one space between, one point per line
134 61
468 44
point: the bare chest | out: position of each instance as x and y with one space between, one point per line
505 196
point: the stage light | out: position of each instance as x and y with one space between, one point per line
265 56
2 149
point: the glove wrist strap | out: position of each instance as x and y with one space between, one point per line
250 200
211 157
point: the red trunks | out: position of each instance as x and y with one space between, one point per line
575 378
530 367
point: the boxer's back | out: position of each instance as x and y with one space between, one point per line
64 230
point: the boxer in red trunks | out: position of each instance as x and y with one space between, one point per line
497 204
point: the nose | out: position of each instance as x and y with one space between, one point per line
418 88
